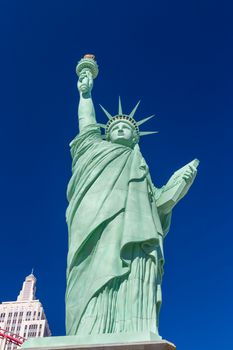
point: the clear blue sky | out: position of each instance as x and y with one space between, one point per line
177 56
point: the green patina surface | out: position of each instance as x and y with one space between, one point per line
117 220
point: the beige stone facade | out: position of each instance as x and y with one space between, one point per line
25 316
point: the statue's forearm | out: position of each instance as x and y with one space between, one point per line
86 111
163 209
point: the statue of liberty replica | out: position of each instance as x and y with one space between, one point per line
117 221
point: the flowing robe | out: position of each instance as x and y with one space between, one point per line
115 256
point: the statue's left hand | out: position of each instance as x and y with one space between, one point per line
177 186
189 175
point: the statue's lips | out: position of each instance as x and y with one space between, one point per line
84 86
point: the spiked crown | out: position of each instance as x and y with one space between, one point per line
129 119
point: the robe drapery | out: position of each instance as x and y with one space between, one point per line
115 256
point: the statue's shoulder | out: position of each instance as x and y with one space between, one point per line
88 137
89 133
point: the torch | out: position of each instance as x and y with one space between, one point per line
87 63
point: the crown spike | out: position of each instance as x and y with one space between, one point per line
106 112
144 133
131 115
120 107
140 122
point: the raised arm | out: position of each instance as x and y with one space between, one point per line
86 111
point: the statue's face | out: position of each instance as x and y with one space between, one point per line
122 133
